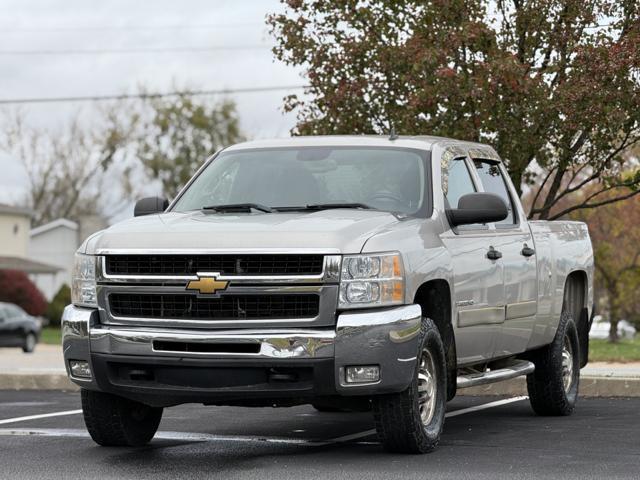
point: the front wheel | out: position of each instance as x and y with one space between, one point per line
114 421
553 386
29 343
411 421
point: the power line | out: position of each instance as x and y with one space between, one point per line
5 29
101 51
127 96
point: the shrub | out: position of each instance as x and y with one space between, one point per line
15 287
59 301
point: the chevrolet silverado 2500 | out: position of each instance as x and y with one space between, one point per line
346 272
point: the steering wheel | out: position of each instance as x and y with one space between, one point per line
386 196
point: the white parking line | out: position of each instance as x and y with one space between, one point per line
180 436
35 417
205 437
455 413
484 406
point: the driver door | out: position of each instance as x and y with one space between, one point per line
478 288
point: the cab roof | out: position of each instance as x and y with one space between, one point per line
422 142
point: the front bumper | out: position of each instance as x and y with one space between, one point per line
168 366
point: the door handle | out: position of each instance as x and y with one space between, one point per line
527 251
493 254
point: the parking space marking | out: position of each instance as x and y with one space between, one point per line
206 437
181 436
484 406
36 417
455 413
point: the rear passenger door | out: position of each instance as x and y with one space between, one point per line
478 288
512 238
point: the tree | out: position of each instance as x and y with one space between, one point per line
554 85
64 166
615 233
58 303
176 135
15 287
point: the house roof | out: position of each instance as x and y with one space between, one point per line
60 222
26 265
10 209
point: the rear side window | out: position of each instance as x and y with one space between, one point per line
493 182
11 311
459 182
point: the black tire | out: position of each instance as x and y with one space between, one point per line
548 393
114 421
398 416
29 343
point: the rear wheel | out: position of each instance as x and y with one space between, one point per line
114 421
553 386
29 344
411 421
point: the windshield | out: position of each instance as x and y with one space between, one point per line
385 179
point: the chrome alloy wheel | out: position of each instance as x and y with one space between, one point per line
567 364
427 388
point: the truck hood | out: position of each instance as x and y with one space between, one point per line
329 231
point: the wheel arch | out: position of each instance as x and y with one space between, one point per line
574 300
434 297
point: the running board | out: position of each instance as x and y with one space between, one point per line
516 369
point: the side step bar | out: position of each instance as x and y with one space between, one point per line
516 369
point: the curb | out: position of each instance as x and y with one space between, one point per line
36 381
590 386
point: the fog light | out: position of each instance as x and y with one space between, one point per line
80 369
363 374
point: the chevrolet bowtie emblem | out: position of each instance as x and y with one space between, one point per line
207 285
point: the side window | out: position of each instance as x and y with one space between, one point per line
10 312
459 182
494 182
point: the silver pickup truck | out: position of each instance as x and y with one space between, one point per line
348 272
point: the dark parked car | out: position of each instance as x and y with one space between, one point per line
18 328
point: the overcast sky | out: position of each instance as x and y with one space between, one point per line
46 26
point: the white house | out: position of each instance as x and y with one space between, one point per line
45 252
15 224
54 243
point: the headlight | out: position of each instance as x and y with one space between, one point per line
371 280
83 281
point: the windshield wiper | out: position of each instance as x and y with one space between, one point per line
322 206
238 207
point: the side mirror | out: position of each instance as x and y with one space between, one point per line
478 208
150 205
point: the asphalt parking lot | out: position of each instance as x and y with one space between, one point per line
42 435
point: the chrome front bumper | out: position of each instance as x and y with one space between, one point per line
384 337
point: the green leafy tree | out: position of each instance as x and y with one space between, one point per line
61 299
554 85
176 134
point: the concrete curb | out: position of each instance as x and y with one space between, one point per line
590 386
36 381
